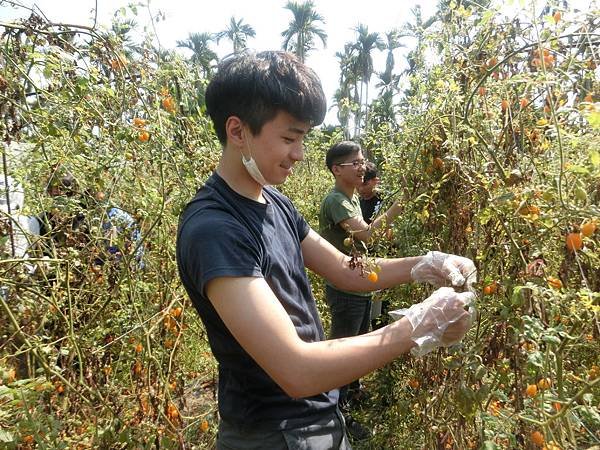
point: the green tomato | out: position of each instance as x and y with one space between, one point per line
580 194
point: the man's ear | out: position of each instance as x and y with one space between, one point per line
335 170
234 128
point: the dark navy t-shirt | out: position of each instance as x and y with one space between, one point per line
223 234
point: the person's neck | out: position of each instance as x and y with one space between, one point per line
367 195
345 188
234 173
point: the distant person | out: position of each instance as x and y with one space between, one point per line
17 230
340 219
370 198
243 250
370 204
67 223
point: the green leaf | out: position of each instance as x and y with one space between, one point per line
578 169
489 445
595 158
6 436
551 339
594 119
536 359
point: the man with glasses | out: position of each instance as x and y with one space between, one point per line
341 222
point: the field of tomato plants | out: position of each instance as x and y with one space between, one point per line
492 146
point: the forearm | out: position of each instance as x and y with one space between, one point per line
325 365
392 271
384 220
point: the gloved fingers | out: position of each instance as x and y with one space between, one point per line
467 297
455 277
460 270
456 331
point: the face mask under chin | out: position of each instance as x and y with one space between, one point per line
253 170
251 166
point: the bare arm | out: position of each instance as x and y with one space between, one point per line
324 259
263 328
363 231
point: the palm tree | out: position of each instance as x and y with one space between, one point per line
202 55
388 82
237 32
302 30
345 97
392 43
364 45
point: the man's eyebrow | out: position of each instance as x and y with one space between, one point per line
298 130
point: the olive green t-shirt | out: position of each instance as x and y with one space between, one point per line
335 208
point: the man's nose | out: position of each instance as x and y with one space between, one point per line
298 152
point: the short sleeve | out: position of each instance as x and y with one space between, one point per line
212 245
340 208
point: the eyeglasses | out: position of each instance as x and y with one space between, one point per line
356 163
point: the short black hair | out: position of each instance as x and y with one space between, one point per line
340 151
256 86
370 171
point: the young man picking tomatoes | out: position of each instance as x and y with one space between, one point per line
242 250
341 222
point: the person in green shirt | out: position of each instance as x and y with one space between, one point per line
341 218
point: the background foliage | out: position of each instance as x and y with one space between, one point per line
492 147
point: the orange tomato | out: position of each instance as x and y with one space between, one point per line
143 136
414 383
137 367
557 406
557 16
28 439
204 426
139 348
139 123
176 312
574 242
11 375
537 438
168 103
588 228
59 388
554 282
524 102
481 91
373 277
531 390
172 412
491 288
544 383
504 105
588 98
438 163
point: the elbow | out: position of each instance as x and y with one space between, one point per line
295 390
296 386
297 380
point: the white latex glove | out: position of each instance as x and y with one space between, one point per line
438 268
439 320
